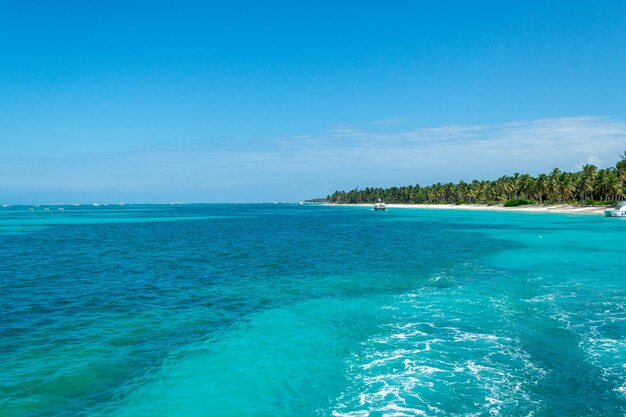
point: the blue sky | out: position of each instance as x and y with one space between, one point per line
282 101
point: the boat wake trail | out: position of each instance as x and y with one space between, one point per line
433 358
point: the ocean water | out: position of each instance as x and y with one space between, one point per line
276 310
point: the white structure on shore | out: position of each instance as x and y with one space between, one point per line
618 211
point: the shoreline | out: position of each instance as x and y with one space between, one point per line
560 208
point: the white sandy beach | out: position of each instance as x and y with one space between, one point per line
561 208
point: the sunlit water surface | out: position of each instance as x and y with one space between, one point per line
271 310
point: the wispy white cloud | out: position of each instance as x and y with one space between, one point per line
305 165
459 149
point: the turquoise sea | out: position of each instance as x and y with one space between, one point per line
287 310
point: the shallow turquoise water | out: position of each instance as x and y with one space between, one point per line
266 310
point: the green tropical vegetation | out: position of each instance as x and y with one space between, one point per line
516 202
589 186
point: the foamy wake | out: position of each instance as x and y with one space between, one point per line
604 340
432 359
598 321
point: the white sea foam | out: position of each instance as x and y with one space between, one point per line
605 349
436 367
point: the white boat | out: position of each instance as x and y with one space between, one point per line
618 211
380 205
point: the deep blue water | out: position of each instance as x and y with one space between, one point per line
272 310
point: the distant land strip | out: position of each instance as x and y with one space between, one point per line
590 186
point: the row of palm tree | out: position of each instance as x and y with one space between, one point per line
588 186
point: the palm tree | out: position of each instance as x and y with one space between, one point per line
587 180
528 186
515 184
602 184
553 184
542 186
566 187
621 170
614 185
